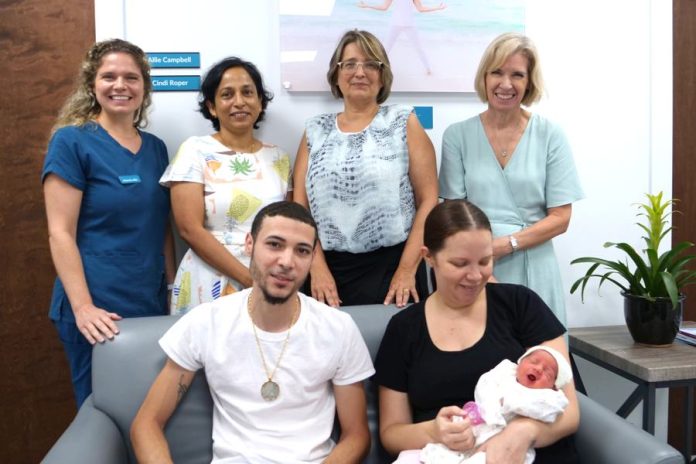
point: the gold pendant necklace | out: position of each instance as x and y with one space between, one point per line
270 390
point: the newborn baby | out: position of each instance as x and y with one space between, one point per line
530 388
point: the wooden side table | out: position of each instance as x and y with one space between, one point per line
612 348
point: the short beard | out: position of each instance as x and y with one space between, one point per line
257 277
275 300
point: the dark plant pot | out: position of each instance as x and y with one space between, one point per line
652 322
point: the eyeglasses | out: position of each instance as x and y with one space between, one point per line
352 66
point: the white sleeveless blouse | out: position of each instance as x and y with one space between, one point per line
357 183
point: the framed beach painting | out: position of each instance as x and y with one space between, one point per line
433 45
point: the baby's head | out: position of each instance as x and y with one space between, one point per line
543 367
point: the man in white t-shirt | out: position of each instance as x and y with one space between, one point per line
279 364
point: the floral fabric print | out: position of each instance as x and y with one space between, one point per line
236 186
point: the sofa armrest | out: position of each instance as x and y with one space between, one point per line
91 437
604 437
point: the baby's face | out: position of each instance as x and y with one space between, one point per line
537 370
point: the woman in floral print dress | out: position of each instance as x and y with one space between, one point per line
218 182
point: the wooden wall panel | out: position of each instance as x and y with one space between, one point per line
684 165
41 46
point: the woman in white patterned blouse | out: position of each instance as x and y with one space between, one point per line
368 176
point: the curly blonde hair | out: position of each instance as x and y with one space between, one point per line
82 106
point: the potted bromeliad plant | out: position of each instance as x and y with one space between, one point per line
651 282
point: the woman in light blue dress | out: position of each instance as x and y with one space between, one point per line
517 167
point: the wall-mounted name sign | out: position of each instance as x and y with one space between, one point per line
425 116
176 83
174 60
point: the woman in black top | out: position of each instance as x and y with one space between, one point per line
434 352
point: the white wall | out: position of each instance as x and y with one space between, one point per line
608 70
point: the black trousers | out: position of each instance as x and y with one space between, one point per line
364 278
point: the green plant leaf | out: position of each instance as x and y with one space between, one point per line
684 278
672 262
671 287
646 272
583 281
641 266
617 266
653 259
606 277
603 277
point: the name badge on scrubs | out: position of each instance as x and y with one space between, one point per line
130 179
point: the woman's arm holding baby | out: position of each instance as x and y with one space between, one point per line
522 433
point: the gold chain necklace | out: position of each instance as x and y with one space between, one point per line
270 390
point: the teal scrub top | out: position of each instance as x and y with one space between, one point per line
122 221
540 174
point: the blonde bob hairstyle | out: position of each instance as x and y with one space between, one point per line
373 49
498 52
81 106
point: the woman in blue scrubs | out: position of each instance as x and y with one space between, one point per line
108 217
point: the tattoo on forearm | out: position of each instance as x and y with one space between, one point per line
182 388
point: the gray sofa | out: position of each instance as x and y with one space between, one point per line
124 369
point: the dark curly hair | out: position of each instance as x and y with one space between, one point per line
211 82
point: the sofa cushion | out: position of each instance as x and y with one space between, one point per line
122 373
